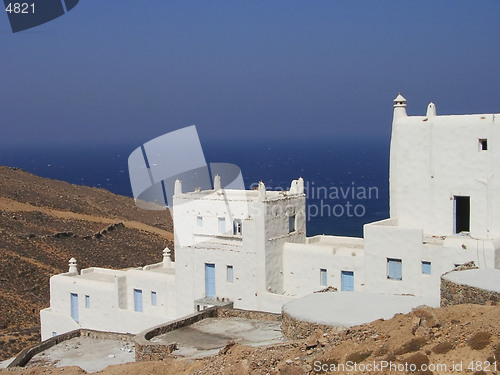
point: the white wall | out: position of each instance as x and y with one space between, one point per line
434 158
302 264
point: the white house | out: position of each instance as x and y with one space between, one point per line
250 247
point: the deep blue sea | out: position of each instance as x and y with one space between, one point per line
346 180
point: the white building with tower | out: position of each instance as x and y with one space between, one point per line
250 246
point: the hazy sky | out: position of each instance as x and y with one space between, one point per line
128 71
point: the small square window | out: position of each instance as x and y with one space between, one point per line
322 277
426 267
87 302
483 144
230 274
394 269
237 227
291 224
199 221
153 299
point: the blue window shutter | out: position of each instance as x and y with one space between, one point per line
394 269
426 267
74 306
138 300
209 280
347 281
323 277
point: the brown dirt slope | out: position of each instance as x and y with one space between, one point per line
464 335
43 223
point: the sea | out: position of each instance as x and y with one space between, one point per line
346 180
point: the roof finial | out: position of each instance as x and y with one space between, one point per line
400 106
72 267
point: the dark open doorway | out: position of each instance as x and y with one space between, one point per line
462 214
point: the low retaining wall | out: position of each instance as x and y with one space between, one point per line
455 294
25 355
146 350
248 314
299 329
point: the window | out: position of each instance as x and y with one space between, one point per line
222 225
199 221
230 274
322 277
291 224
461 213
87 302
74 306
483 144
138 300
394 269
426 267
347 281
153 299
237 227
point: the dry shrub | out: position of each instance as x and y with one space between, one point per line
383 350
479 340
417 360
442 347
412 346
358 357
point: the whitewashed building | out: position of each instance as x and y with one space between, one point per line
250 247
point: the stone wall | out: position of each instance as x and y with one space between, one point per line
25 356
455 294
298 329
146 350
248 314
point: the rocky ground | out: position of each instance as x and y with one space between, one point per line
43 223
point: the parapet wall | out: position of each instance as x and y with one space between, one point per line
299 329
479 287
147 350
25 355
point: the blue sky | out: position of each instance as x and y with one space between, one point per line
128 71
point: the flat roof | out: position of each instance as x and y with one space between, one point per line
347 309
487 279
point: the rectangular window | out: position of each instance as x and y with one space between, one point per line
74 306
153 299
87 302
199 221
322 277
230 274
210 280
483 144
426 267
291 224
394 269
461 213
138 300
222 225
237 227
347 281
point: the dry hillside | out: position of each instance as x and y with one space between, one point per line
43 223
